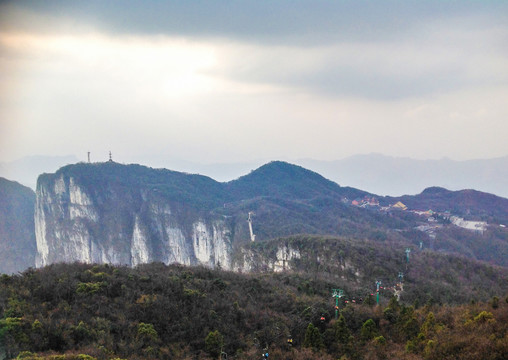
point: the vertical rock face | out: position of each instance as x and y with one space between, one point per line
105 214
248 260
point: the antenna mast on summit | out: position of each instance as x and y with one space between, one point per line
110 157
252 236
89 157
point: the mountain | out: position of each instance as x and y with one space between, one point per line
395 176
17 236
470 203
131 214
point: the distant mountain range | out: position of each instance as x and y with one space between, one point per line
27 169
385 175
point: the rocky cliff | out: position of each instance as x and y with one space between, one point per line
117 214
131 214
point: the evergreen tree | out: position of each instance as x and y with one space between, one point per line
313 338
429 326
391 312
369 330
342 332
213 343
408 323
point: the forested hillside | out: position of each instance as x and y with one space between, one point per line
355 265
17 236
176 312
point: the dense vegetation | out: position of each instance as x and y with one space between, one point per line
355 265
81 311
17 236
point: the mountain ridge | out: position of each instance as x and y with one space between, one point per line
286 199
96 203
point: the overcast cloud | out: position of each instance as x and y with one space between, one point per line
224 81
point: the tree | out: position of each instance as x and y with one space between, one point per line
214 342
494 302
428 327
313 338
391 312
342 332
369 330
408 323
147 335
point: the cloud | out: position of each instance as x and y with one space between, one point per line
303 21
212 81
380 50
445 62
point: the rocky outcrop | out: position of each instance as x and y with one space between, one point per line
106 218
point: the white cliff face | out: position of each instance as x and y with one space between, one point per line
41 258
77 244
201 241
247 262
212 246
139 249
284 255
63 203
176 247
77 196
253 261
74 224
81 205
222 245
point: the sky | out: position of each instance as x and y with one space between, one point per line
236 81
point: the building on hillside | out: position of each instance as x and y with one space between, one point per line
399 205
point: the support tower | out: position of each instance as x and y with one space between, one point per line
252 236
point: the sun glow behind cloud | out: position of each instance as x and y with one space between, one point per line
436 89
172 65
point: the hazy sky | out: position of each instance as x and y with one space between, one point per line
227 81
